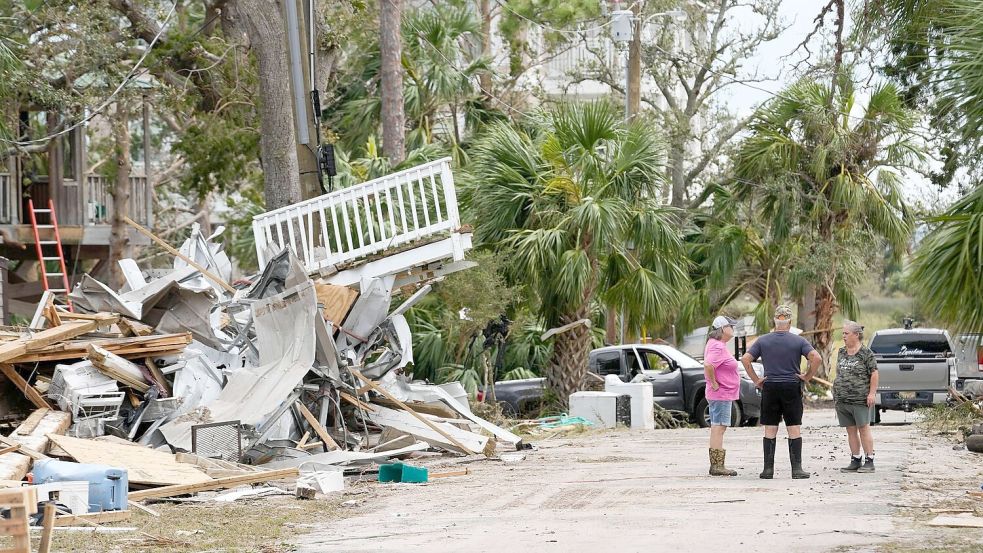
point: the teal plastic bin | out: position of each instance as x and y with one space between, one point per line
398 472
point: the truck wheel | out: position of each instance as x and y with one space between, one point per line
736 415
702 414
975 443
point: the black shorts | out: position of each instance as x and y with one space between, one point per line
781 400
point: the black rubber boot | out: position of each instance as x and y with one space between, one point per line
769 449
795 456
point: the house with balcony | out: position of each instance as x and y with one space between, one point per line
62 171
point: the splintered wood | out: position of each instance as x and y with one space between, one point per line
31 435
117 368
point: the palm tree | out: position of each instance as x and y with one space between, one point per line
947 269
829 181
573 200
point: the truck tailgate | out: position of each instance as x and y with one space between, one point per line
899 375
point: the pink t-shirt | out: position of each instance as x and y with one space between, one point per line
724 368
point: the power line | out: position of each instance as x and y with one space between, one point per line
130 75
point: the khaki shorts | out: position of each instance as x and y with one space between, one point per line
853 415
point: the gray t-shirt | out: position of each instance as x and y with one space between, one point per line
781 353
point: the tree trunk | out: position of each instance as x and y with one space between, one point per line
568 365
677 162
823 340
263 23
635 65
118 241
393 119
611 326
485 79
807 309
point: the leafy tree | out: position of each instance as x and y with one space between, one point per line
573 200
947 269
828 181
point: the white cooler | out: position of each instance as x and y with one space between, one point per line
604 409
642 411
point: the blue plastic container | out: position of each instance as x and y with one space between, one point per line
107 485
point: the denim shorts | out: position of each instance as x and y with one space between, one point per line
720 412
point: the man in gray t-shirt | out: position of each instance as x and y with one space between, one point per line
781 353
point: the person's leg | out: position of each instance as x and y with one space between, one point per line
717 436
867 438
853 438
793 423
771 416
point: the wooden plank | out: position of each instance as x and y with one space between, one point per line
14 466
129 327
10 449
957 522
67 331
143 464
97 518
33 395
117 368
220 483
356 402
47 529
21 448
158 376
464 472
312 420
143 346
435 410
422 419
170 249
337 301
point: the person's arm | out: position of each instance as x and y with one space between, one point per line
815 361
874 378
746 361
711 375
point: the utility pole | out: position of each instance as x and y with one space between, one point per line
300 30
633 88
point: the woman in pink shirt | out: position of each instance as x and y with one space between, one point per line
723 388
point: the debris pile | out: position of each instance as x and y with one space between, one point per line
185 383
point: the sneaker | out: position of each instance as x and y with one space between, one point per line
855 463
868 466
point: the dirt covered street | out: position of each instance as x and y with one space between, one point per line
649 491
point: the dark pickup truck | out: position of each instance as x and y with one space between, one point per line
678 382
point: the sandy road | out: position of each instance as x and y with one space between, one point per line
649 491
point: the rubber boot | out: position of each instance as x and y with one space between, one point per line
769 449
717 466
795 456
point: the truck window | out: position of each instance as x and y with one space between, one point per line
655 362
910 344
609 362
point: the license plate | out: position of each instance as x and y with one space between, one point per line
907 395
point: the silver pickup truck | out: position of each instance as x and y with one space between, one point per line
916 367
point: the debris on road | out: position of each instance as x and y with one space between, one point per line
183 384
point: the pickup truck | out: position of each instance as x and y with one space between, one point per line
916 368
677 379
969 364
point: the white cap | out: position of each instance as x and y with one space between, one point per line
721 322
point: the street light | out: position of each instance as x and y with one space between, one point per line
623 32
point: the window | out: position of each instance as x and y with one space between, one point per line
908 345
633 362
656 363
609 363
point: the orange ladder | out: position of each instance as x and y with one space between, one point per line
44 258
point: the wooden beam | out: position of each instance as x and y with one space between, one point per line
48 528
170 249
33 395
117 368
21 448
312 420
67 331
220 483
158 376
10 449
97 518
419 417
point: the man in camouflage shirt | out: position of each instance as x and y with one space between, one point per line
854 389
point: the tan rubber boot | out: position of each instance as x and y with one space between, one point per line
717 468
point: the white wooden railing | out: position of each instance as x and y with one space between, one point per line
414 204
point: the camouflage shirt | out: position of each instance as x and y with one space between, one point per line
853 376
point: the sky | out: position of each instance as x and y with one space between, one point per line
773 60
